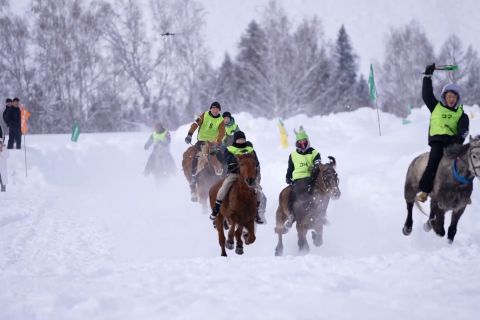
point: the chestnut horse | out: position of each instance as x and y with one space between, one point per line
239 206
209 170
309 208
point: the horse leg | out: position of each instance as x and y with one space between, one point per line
302 239
251 233
221 234
407 227
452 229
437 219
238 237
231 233
279 247
317 234
428 225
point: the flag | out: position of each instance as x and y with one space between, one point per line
371 85
283 134
24 115
75 132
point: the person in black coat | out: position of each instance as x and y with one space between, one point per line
449 124
12 118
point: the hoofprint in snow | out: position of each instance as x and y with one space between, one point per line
87 236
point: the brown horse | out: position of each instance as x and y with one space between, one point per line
309 208
209 170
239 207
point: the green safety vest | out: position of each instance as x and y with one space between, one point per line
444 121
209 129
159 137
230 129
236 151
302 164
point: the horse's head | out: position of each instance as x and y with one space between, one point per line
474 155
208 158
326 179
248 168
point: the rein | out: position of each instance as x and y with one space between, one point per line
461 179
471 162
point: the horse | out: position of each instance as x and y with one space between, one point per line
239 207
309 208
160 163
209 170
452 187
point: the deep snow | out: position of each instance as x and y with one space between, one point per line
87 236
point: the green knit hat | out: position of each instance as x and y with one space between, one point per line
301 134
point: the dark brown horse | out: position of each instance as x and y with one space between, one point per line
239 207
209 170
452 187
309 208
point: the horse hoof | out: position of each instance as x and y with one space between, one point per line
278 252
440 232
229 244
194 199
451 234
317 241
406 230
239 250
427 226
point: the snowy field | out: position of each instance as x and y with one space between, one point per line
87 236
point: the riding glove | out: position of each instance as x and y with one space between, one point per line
429 69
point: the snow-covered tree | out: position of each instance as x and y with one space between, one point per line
407 52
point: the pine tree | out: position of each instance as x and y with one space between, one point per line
346 71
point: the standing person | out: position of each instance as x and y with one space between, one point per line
13 120
8 105
230 128
3 161
211 128
449 124
300 163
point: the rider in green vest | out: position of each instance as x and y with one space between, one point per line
211 128
159 139
240 146
230 128
449 124
300 163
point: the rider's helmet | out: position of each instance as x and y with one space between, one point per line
301 140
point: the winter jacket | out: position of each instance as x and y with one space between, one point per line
207 118
431 102
12 118
230 159
291 165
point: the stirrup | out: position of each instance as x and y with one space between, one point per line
422 196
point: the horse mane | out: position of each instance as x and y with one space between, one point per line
455 150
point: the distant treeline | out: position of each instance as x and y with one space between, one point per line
114 66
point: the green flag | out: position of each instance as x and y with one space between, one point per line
371 85
75 132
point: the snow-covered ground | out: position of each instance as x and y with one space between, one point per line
87 236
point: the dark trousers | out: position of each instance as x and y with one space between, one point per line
298 187
14 137
436 153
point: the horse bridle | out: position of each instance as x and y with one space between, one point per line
327 175
471 161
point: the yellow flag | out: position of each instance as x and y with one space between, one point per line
283 134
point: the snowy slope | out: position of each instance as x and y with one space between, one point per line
87 236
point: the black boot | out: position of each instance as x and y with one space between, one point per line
258 218
215 210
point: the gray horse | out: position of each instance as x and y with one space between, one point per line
309 208
452 188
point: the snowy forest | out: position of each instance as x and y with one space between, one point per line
118 65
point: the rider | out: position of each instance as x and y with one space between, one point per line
240 146
300 163
160 137
448 125
211 129
230 128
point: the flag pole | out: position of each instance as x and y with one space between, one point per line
25 148
373 95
